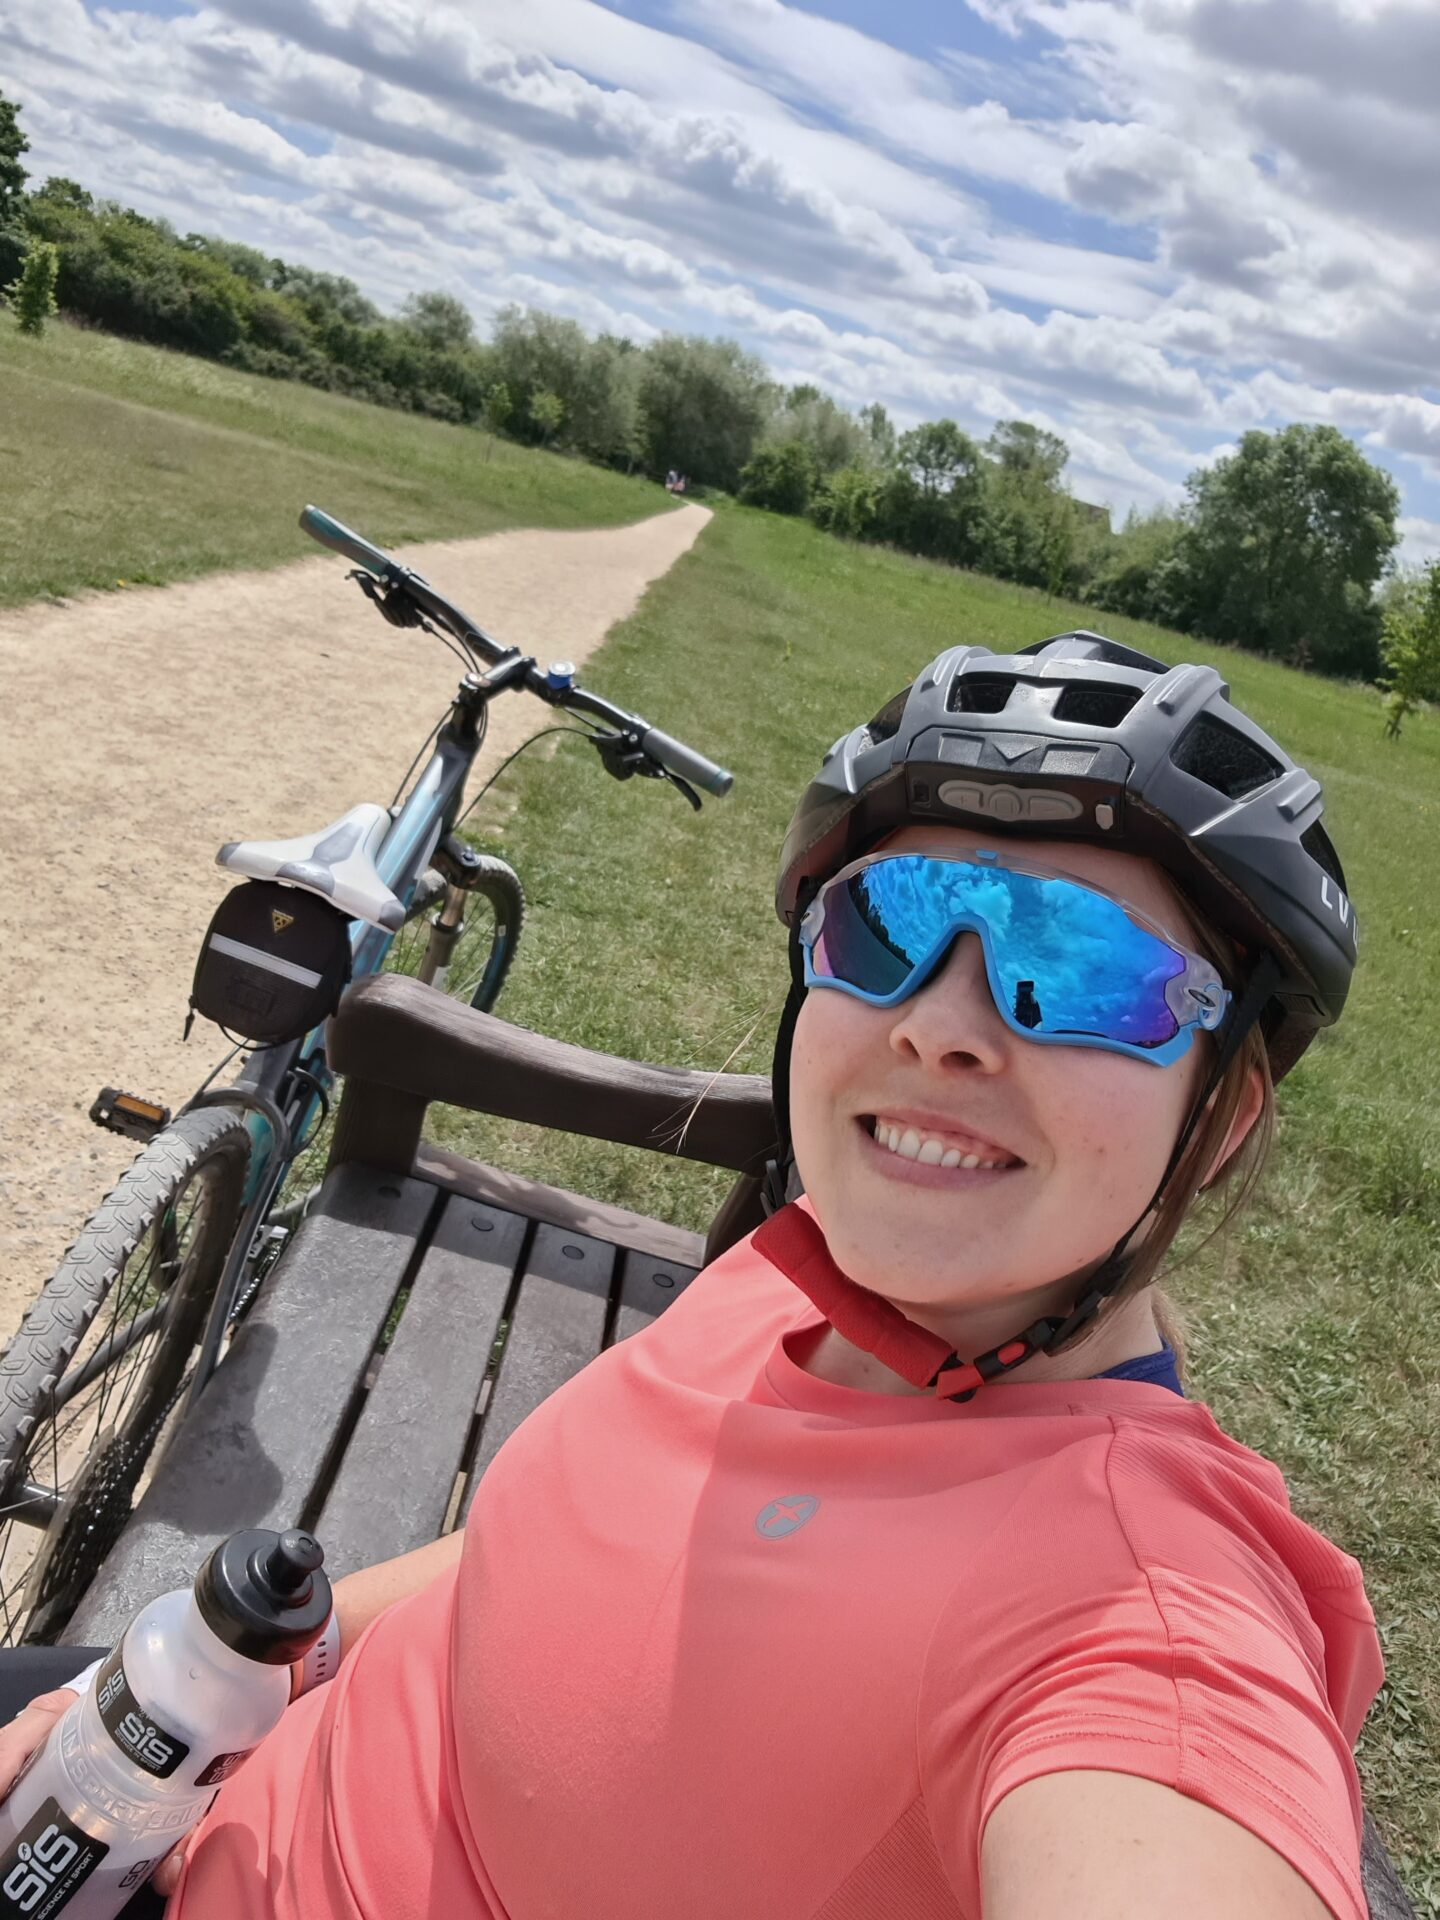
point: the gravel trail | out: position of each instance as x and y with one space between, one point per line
143 728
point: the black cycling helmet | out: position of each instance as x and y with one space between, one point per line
1079 737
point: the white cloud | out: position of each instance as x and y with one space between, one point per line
1419 541
1171 223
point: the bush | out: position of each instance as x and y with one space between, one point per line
848 504
33 293
779 477
1411 645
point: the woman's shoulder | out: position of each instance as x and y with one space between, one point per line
1188 1493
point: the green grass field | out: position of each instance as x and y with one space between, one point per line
652 934
125 463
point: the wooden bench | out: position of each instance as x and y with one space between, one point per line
368 1390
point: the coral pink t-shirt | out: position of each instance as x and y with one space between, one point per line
728 1639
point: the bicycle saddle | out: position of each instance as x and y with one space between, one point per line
337 862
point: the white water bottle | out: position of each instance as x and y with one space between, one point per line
196 1682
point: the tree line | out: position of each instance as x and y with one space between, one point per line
1284 546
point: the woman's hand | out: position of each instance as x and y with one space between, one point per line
21 1736
28 1730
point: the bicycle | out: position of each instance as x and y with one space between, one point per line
179 1249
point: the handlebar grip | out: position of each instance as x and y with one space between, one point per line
685 761
336 535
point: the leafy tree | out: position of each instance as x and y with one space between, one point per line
61 191
1283 545
830 437
498 407
931 501
12 175
703 406
34 292
1016 447
1131 572
596 382
547 410
246 263
439 320
1031 533
880 435
325 296
1411 645
938 455
781 477
12 191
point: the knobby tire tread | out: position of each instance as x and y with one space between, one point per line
53 1327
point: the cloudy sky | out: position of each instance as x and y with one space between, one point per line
1148 226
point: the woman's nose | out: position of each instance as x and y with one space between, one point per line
953 1016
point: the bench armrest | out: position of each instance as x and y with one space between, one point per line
401 1045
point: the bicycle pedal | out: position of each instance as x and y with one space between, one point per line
127 1113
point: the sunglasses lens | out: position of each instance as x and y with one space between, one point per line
1067 960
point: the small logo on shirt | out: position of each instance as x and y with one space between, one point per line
786 1516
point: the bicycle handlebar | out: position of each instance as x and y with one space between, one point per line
338 537
670 753
685 761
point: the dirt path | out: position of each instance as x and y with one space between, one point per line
143 729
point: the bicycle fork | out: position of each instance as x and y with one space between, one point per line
459 865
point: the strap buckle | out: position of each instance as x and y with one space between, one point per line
772 1188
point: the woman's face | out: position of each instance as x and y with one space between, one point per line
1083 1136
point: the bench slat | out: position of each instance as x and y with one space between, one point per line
647 1287
251 1453
394 1487
558 1326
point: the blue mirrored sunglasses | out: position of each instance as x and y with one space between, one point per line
1067 965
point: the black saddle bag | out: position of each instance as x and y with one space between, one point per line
273 964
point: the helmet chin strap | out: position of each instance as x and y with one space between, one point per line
793 1241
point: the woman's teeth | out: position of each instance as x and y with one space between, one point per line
929 1148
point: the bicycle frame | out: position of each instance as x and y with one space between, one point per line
289 1077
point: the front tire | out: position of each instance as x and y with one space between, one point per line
493 903
88 1383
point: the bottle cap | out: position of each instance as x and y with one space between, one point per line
265 1594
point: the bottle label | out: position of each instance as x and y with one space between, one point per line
221 1768
46 1864
140 1738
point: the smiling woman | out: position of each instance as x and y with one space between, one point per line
903 1492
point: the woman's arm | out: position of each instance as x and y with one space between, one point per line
361 1596
1088 1845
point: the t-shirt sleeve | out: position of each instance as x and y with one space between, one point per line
1207 1675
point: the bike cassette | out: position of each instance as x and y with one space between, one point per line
127 1113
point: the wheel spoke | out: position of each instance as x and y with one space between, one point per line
92 1433
32 1505
113 1347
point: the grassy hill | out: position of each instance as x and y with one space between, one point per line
128 464
653 935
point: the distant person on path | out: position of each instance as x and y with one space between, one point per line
891 1574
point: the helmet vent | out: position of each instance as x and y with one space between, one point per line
886 723
1095 706
1316 843
1208 750
980 692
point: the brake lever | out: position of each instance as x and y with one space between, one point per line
396 605
685 787
623 756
